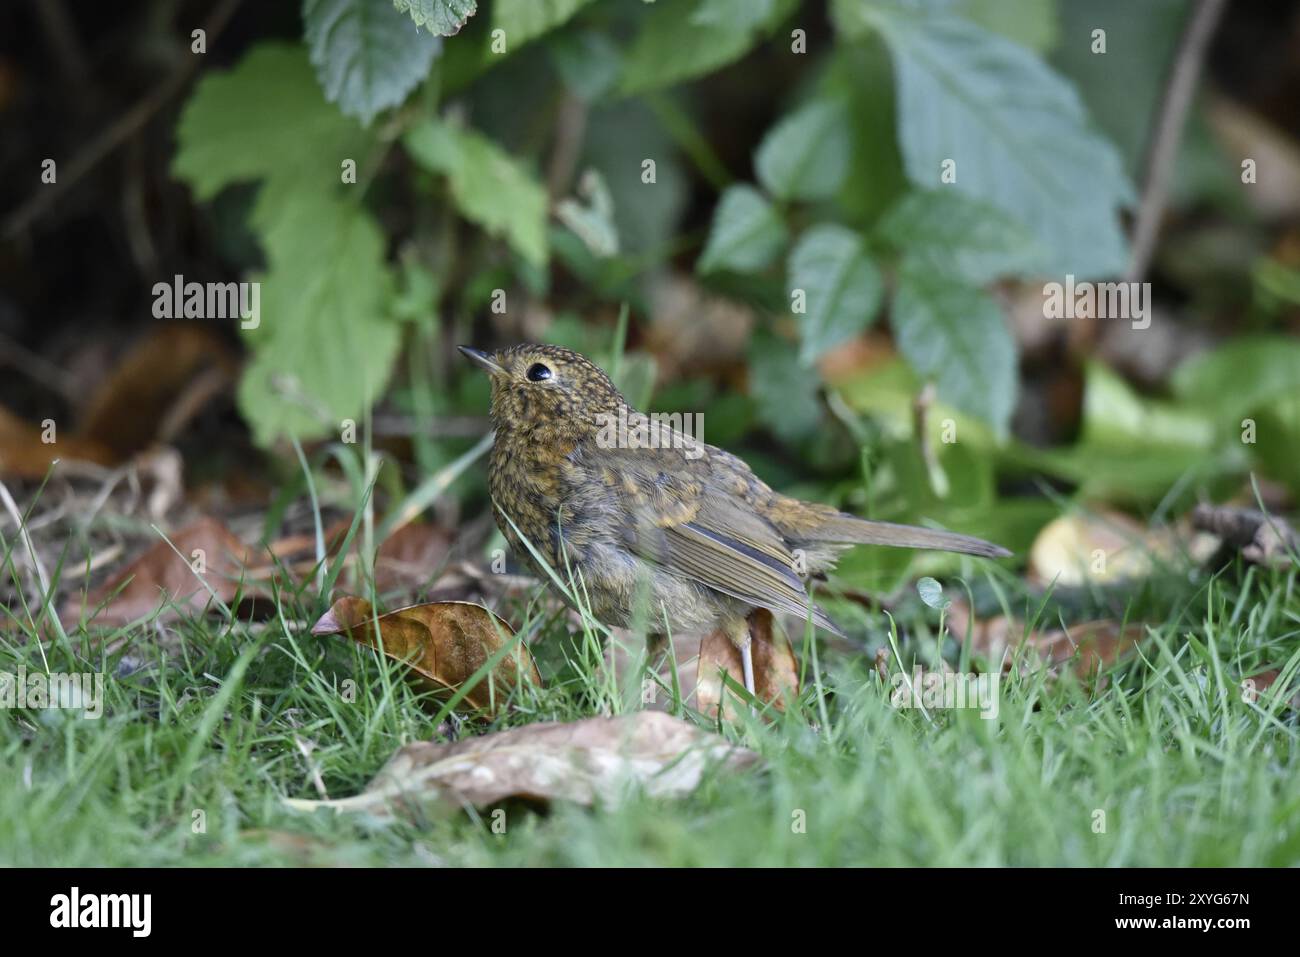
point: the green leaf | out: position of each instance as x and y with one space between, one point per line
1016 131
265 119
1134 449
1115 416
862 76
681 39
746 235
840 284
931 592
955 335
325 344
588 61
951 232
524 20
489 187
1240 376
806 154
1123 86
442 18
620 136
733 11
367 57
1035 24
784 393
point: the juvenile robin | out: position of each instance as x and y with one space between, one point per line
679 528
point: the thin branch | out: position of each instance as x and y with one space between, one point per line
1174 104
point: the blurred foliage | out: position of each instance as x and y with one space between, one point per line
519 169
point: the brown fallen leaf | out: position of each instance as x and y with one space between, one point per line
776 672
411 556
1254 687
1097 644
632 655
160 383
25 454
163 581
588 761
443 643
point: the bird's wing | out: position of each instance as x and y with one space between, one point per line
678 518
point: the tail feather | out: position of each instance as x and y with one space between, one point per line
850 529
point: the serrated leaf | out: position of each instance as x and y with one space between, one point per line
951 232
955 335
489 187
1016 131
524 20
806 154
681 39
442 18
841 286
265 119
746 235
367 57
325 345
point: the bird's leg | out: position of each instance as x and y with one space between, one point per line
747 662
738 632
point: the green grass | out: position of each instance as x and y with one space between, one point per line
211 715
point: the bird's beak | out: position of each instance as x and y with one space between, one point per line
481 358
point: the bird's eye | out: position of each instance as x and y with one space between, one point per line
538 372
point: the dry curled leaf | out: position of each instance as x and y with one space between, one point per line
776 672
443 643
170 580
1263 539
588 761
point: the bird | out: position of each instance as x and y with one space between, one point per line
674 526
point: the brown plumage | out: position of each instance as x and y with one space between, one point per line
682 532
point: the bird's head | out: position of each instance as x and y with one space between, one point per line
546 389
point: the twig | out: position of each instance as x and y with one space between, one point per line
62 35
39 370
1174 104
115 135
